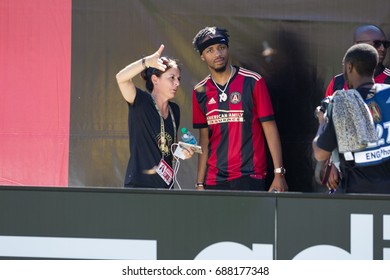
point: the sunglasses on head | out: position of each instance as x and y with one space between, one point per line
377 43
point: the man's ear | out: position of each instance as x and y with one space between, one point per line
202 57
349 67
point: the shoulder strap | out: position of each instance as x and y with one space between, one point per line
334 158
330 107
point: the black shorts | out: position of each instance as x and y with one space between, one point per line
246 183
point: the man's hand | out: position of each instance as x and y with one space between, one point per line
279 184
334 178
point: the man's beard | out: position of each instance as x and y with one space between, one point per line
220 69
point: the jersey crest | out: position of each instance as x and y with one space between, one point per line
235 97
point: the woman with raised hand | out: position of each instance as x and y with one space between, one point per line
153 120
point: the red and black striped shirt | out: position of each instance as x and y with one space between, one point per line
382 76
236 138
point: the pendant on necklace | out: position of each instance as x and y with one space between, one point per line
163 146
223 97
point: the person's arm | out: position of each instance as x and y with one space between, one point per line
202 158
125 77
275 147
320 154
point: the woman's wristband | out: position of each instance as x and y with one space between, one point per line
143 63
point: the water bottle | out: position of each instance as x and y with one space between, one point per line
188 137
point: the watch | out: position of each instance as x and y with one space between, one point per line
280 170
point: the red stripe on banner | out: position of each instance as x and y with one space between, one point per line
35 60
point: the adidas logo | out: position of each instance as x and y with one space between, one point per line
212 101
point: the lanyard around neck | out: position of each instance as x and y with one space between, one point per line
163 142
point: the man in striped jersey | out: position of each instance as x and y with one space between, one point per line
373 35
233 112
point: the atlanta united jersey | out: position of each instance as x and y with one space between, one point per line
236 140
338 82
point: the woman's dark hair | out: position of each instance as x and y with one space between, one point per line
149 72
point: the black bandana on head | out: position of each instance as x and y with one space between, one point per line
213 41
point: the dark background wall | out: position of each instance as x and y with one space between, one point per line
310 38
82 44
